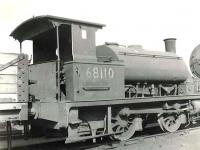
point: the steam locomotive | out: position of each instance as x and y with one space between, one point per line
79 91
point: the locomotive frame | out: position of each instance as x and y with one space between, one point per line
80 94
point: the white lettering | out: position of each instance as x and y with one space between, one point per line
100 72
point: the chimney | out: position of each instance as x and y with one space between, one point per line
170 45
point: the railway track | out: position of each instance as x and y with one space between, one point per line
106 144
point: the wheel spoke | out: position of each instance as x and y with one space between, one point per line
114 119
118 129
168 122
123 130
115 124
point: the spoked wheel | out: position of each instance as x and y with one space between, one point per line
169 123
123 127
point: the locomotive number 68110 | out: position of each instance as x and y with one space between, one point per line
100 73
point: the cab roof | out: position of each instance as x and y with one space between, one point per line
36 25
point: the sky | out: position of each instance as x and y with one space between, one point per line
128 22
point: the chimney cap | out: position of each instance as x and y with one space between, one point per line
169 39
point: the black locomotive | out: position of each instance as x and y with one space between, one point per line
80 91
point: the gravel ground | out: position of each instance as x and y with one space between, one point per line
184 141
